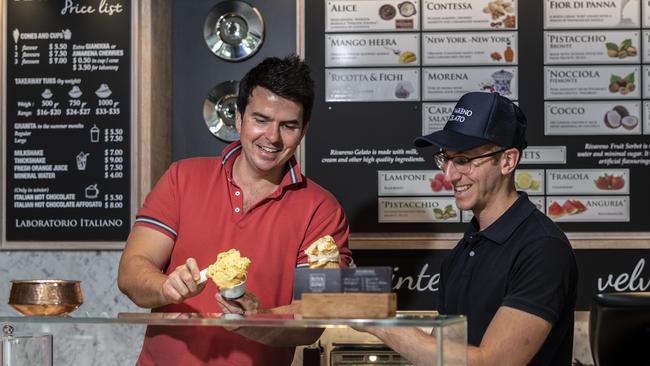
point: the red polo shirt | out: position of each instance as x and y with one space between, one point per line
197 204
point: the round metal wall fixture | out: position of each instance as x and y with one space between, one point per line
233 30
219 110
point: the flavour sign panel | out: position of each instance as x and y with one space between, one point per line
579 69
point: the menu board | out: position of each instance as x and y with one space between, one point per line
580 70
67 127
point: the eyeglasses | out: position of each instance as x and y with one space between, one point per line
461 163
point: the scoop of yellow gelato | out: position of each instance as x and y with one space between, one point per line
323 253
229 270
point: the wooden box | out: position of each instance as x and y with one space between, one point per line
348 305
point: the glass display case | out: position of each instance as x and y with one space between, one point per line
450 332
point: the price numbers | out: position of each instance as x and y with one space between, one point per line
81 67
113 163
113 135
48 112
107 111
113 200
81 63
58 54
77 112
113 159
48 108
58 47
107 107
113 152
77 108
57 60
110 167
113 175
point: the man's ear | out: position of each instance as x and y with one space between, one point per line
305 126
238 121
509 161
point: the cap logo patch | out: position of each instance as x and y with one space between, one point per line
460 114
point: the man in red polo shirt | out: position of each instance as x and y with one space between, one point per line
252 198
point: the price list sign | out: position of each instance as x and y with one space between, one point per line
68 121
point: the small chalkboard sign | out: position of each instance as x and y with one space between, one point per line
68 123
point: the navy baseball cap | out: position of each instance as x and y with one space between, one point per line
480 118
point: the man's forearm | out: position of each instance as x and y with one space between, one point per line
142 282
281 337
421 348
412 343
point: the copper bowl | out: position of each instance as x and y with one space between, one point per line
45 297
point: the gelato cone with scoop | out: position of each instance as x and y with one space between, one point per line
323 253
229 273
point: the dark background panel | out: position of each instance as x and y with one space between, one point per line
416 273
196 70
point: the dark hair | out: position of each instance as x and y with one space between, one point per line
288 77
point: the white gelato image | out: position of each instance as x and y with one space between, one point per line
75 92
104 91
46 94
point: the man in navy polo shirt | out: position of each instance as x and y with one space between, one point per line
513 274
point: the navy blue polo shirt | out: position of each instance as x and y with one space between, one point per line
523 261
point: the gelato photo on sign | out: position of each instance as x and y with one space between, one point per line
502 81
403 89
75 92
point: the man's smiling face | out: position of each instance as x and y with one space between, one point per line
270 132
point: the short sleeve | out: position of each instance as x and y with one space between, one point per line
160 209
329 219
441 288
542 279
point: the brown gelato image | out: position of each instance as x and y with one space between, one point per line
387 12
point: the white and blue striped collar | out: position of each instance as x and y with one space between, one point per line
234 149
